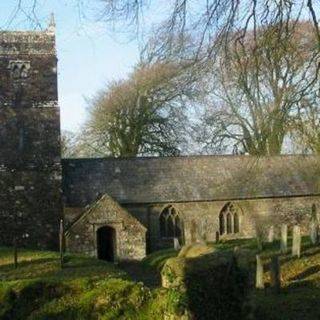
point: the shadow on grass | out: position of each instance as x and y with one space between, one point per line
74 268
216 291
139 272
306 273
219 292
308 251
299 300
8 270
230 244
19 305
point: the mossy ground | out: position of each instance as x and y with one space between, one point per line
91 289
300 279
85 288
157 259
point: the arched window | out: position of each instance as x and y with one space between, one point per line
222 223
170 226
170 223
163 225
16 72
236 222
23 72
229 222
178 227
229 219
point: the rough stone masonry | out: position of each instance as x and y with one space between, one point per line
30 164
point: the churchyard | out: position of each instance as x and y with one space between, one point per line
169 150
232 279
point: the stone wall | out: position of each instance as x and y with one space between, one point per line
30 164
202 218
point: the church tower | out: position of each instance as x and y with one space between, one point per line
30 162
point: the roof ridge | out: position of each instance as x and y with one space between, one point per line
185 157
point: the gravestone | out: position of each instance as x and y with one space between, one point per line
176 244
271 234
217 236
275 275
284 239
259 273
193 231
203 231
61 242
313 232
296 241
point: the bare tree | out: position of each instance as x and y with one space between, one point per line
205 31
70 144
267 67
306 123
213 21
255 90
23 10
142 115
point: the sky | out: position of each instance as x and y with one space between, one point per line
89 53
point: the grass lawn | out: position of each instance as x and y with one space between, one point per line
85 289
300 294
91 289
300 278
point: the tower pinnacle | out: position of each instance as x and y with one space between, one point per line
52 24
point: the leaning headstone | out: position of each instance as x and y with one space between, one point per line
203 230
296 242
176 244
275 275
193 231
284 239
217 236
313 232
259 273
271 234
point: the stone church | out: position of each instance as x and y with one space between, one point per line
120 209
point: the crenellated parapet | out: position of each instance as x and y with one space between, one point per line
27 43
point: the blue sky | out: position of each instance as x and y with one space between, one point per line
89 53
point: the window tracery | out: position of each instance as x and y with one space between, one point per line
170 223
229 219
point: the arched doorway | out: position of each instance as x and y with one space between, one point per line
106 243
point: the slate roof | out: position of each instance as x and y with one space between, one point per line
194 178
